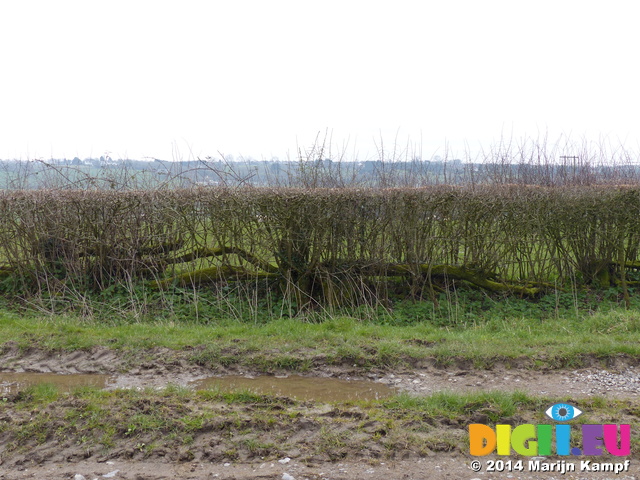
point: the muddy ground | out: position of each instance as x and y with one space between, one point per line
445 467
160 367
367 460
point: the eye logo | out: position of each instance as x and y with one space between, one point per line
563 412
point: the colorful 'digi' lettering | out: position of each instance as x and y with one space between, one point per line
532 440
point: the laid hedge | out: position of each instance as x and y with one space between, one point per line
323 245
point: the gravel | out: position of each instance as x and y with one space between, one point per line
602 381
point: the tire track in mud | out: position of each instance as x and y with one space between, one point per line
160 367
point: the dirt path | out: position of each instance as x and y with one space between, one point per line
160 368
445 467
623 382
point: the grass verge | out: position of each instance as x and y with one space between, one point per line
179 424
519 333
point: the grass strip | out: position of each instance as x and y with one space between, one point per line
180 424
299 344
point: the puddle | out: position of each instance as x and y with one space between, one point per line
294 386
13 382
302 388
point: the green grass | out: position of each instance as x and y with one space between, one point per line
246 425
496 404
484 331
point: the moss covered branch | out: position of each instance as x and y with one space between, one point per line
231 273
211 275
206 252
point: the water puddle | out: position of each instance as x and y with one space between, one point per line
301 388
13 382
294 386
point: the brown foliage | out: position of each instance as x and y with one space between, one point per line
324 245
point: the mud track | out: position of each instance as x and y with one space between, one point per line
160 367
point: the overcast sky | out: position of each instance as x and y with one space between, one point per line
192 78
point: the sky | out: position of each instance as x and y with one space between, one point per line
178 80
